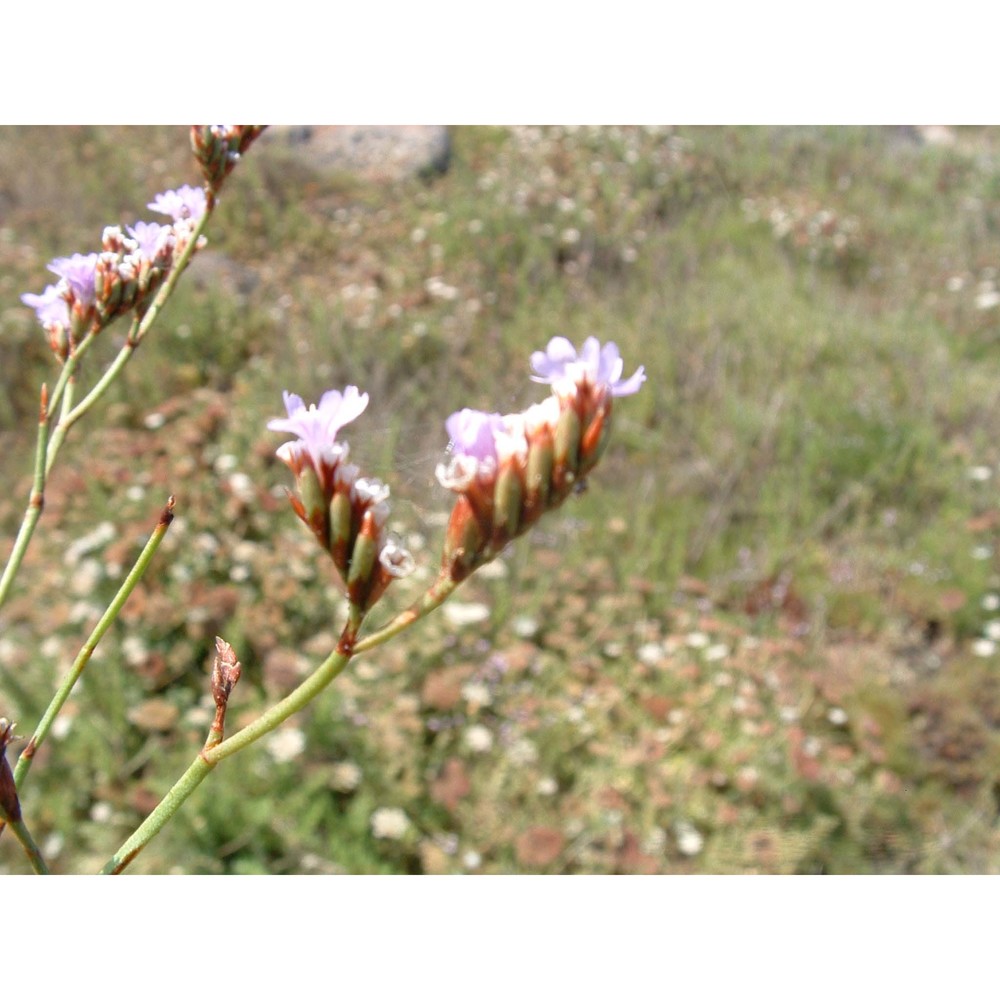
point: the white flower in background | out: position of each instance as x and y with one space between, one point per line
478 739
477 694
345 776
459 614
286 744
689 840
523 751
389 823
837 717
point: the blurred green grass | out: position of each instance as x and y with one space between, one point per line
761 641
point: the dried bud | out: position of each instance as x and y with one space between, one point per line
10 805
225 672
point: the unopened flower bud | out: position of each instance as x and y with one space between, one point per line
340 524
313 500
217 148
226 671
538 480
465 540
10 805
567 447
507 503
595 437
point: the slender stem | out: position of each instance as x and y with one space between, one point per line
69 368
59 433
440 590
30 847
206 761
70 416
36 500
83 657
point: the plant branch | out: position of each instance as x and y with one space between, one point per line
25 839
207 760
83 657
439 592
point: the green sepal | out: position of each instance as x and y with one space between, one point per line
507 495
340 519
362 560
568 441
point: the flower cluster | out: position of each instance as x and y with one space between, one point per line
218 148
508 470
93 289
345 511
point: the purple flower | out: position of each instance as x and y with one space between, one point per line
78 272
474 437
472 433
185 203
50 307
317 426
599 365
153 239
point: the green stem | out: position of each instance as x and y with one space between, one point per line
439 592
30 847
71 415
36 500
83 657
206 761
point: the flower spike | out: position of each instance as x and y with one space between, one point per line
345 511
509 470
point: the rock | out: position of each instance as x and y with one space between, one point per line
155 715
451 785
373 152
539 846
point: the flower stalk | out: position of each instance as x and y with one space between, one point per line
211 757
87 651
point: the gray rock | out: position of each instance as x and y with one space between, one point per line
373 152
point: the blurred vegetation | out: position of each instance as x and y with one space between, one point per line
765 639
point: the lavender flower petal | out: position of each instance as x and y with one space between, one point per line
50 307
559 362
317 426
151 237
185 203
78 272
472 433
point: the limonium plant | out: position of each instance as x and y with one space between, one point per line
506 471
